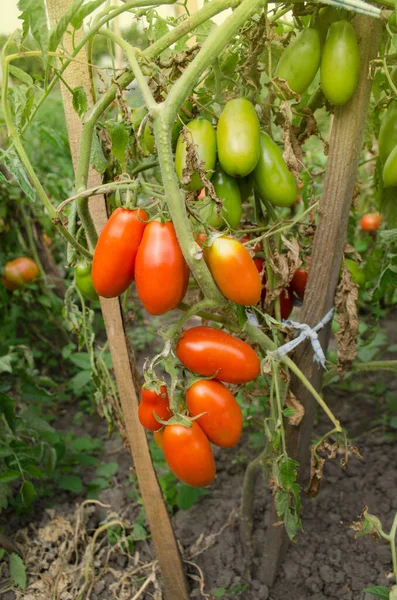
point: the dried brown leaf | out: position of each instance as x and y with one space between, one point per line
284 90
316 475
346 308
292 151
291 401
348 249
284 265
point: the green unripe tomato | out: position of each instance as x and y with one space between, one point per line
202 134
390 170
335 327
246 186
84 280
325 17
272 177
357 274
340 63
300 61
137 115
227 190
238 136
388 132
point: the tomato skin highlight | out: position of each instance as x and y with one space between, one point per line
84 280
234 271
387 140
19 272
238 138
299 62
223 422
272 177
153 403
371 222
298 283
206 351
340 63
161 272
189 455
113 265
202 134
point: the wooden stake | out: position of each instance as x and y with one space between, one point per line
341 173
165 545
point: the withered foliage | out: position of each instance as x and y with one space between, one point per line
346 308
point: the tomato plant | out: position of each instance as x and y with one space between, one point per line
188 454
340 63
113 266
199 137
299 63
84 280
222 421
371 222
153 403
208 351
238 138
161 272
234 271
19 272
272 177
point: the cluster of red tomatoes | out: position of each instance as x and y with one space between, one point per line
129 248
213 414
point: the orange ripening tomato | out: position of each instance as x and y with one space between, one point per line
371 222
161 272
258 246
19 272
222 422
153 403
188 454
113 265
159 437
298 283
234 271
208 351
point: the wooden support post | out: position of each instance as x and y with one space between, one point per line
165 545
341 173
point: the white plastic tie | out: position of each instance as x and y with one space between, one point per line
306 333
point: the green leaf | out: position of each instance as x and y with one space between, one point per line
157 25
57 33
81 360
9 476
34 16
288 472
84 11
97 158
187 496
18 173
5 363
7 410
119 138
79 101
289 412
291 524
36 422
17 570
5 451
378 591
33 471
28 493
83 443
71 483
2 552
21 75
80 380
282 502
107 469
138 532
